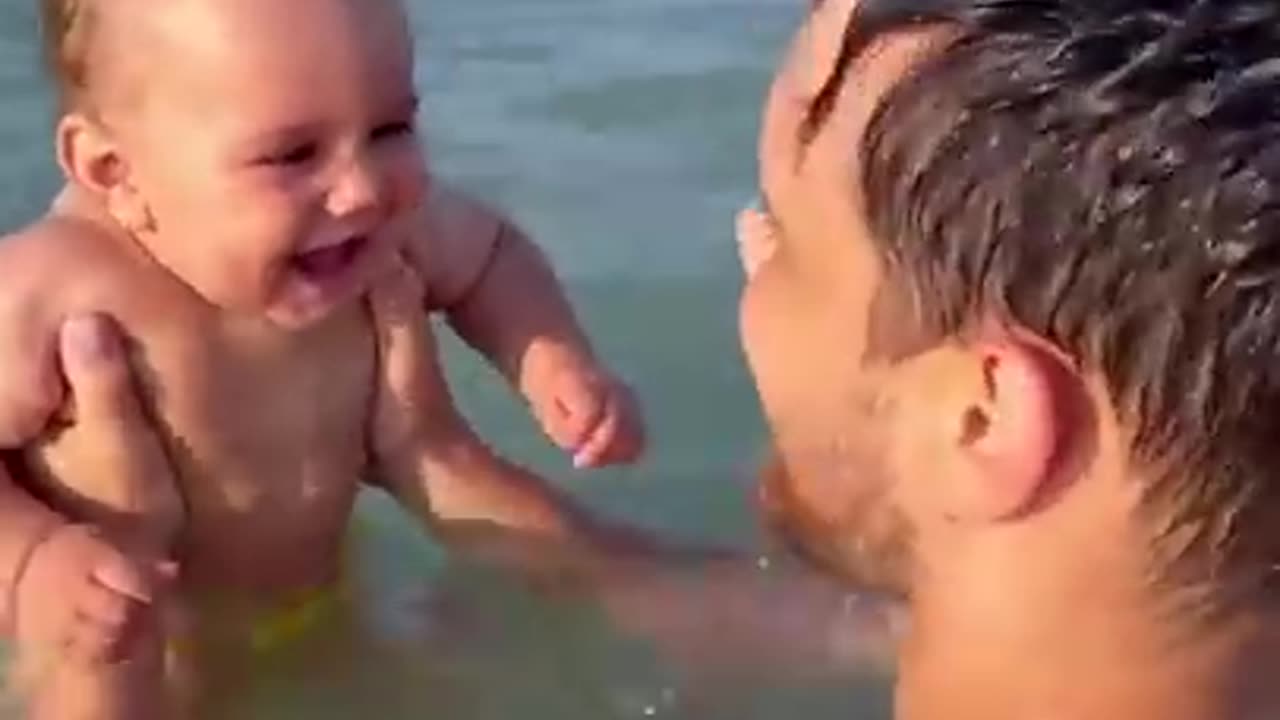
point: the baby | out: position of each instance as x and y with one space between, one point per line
239 173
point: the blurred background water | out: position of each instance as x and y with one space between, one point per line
621 134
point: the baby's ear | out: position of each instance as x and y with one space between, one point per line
91 159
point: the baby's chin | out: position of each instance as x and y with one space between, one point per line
301 308
290 317
311 289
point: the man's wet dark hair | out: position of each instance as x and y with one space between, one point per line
1107 175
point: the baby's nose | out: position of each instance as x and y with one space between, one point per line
355 189
756 239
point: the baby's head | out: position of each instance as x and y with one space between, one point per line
260 151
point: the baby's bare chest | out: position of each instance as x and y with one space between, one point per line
264 432
266 441
250 433
268 446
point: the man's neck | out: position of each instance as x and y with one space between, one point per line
1087 656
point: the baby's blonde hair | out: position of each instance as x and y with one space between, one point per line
67 28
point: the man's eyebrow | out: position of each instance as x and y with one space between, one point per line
823 102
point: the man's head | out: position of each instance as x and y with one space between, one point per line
1028 259
258 150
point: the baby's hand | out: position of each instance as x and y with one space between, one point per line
588 412
81 599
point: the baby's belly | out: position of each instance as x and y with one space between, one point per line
248 524
267 535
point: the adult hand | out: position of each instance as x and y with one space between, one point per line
87 590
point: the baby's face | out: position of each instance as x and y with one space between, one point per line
274 145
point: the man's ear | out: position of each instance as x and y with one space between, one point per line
91 159
1011 434
1000 422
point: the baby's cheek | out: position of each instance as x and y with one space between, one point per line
410 183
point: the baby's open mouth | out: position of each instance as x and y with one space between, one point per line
329 261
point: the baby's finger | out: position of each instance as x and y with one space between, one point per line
165 572
105 607
627 440
630 439
592 454
87 646
121 576
576 410
90 641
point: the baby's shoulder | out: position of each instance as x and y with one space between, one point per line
40 268
71 253
454 237
61 265
64 263
44 267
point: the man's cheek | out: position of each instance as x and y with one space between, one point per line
755 341
802 528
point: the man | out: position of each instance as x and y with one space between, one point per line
1012 316
1014 325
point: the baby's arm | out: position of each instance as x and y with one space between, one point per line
427 456
703 604
502 297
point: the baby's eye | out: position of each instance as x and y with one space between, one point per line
295 155
392 130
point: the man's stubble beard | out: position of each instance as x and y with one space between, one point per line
847 522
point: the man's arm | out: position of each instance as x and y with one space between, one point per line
67 581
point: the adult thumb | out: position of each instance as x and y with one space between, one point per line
406 346
97 370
